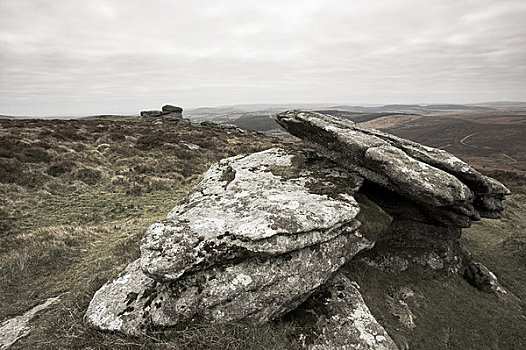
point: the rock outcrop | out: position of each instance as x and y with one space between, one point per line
347 323
430 194
252 241
168 115
262 233
226 127
11 330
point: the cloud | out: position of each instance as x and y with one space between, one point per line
79 57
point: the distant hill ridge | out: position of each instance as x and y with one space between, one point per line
213 113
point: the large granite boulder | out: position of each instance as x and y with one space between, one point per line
262 233
430 194
252 241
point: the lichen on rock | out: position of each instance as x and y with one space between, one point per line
347 322
430 194
249 245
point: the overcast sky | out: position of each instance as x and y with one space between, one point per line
60 57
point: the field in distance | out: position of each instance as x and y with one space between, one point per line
488 140
489 136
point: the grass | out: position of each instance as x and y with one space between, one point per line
77 196
450 313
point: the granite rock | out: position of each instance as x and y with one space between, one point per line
347 323
430 194
252 241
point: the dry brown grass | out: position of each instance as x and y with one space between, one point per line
73 221
74 205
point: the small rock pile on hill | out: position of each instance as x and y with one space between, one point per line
226 127
261 233
168 115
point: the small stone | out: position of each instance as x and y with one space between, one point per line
348 323
151 114
483 279
171 109
189 145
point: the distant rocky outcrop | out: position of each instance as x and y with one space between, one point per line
168 115
226 127
261 233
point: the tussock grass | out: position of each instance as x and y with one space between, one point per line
73 218
450 313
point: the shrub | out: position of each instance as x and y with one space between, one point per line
148 142
135 189
68 133
59 168
120 180
88 176
11 171
43 144
144 168
7 172
23 151
33 178
117 136
34 155
6 222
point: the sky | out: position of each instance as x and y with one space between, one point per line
78 57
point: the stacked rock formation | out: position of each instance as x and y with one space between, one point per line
252 241
261 233
430 194
168 115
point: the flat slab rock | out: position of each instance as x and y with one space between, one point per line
251 242
423 174
18 327
348 323
267 203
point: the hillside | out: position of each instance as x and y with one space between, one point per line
77 196
490 140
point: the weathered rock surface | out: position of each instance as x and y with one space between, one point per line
423 174
397 298
347 323
168 115
482 278
172 109
251 242
261 233
18 327
430 193
245 205
227 127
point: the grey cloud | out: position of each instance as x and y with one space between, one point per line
73 57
